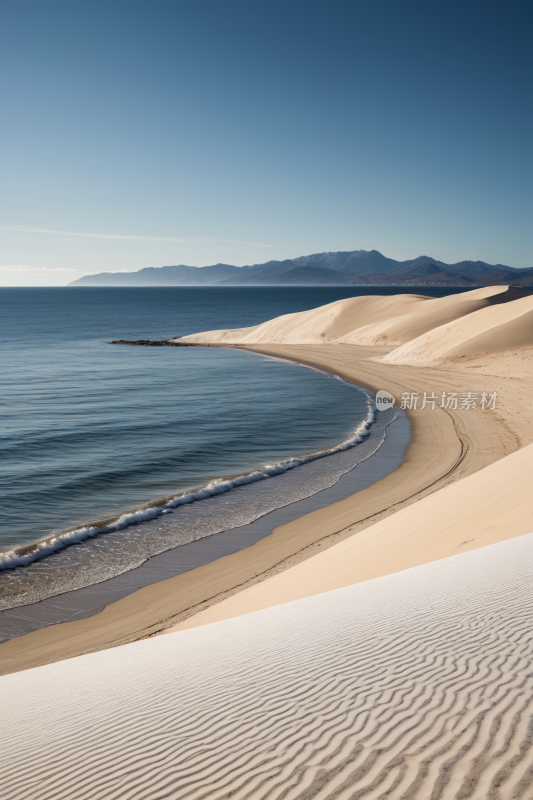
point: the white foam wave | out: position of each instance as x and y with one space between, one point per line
22 556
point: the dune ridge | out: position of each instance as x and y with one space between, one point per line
492 329
423 329
415 685
324 324
430 315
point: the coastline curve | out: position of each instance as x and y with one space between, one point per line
90 600
154 530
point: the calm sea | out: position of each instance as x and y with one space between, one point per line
90 430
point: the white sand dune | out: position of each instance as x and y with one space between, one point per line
415 685
508 326
429 315
325 324
368 320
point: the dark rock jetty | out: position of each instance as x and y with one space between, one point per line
150 343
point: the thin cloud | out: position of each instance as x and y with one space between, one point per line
40 269
74 234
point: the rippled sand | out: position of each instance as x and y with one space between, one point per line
414 685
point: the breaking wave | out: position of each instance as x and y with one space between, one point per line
28 553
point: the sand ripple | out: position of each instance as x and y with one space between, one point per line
416 685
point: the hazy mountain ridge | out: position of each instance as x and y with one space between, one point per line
353 268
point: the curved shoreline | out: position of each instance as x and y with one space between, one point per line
28 553
155 533
381 453
445 447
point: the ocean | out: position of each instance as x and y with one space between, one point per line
90 431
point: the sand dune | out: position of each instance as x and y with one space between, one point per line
325 324
493 317
429 315
417 685
492 505
495 328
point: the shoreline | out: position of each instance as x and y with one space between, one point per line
225 524
28 553
445 447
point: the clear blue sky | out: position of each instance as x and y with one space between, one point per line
225 131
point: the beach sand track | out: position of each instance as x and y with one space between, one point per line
415 685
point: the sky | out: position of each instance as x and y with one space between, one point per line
142 134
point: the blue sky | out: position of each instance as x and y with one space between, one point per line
139 134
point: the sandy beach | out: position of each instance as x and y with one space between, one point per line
375 647
447 446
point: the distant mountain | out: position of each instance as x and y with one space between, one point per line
359 262
162 276
354 268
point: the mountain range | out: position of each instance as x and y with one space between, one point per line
353 268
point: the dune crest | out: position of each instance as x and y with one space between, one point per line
492 329
425 329
327 323
429 315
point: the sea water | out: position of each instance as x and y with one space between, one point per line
91 431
